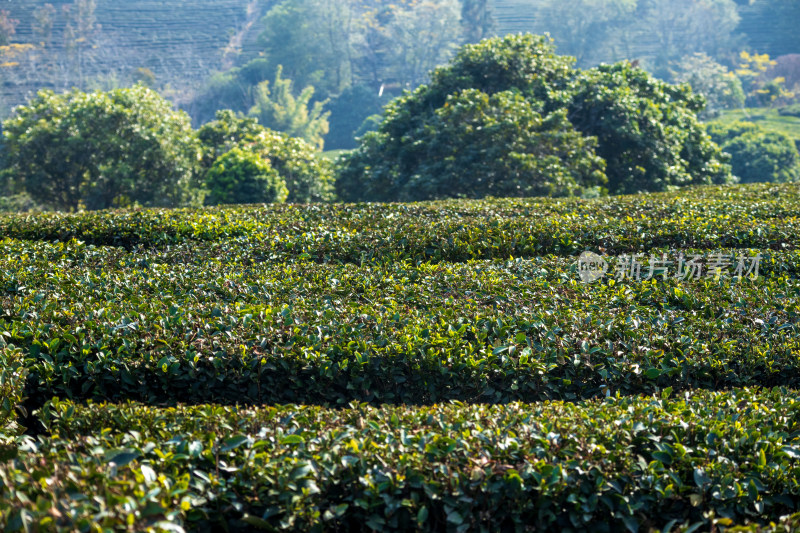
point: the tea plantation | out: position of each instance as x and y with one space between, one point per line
433 366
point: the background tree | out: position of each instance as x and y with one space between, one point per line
761 88
758 155
313 41
721 88
585 28
678 28
225 132
425 34
788 68
477 20
474 146
645 130
279 109
99 150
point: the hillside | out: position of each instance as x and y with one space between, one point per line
181 42
513 15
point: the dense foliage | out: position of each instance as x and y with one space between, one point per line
721 88
474 146
645 131
453 467
758 155
307 177
213 54
101 149
241 177
277 108
477 303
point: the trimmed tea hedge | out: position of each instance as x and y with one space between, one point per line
412 342
613 465
455 231
104 324
12 386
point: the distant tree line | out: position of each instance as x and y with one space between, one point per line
351 55
506 117
357 54
327 67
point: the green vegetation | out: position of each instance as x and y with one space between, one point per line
279 110
307 176
301 365
240 177
509 117
765 118
210 55
363 321
101 149
757 154
721 88
549 466
127 147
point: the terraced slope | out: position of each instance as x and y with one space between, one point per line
435 366
180 41
513 16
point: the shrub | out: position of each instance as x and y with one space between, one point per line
243 177
308 177
758 155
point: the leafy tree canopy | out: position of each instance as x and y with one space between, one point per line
102 149
511 100
721 88
279 109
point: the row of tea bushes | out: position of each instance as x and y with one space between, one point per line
105 324
745 217
669 462
204 315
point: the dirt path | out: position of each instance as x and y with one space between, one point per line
234 46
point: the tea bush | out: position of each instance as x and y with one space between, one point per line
433 366
609 465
